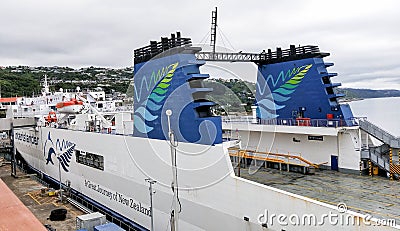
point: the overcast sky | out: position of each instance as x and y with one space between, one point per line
363 37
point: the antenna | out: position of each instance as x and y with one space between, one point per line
213 29
174 185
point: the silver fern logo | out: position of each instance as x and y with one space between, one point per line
61 149
148 108
269 102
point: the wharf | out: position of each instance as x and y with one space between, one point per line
376 196
34 208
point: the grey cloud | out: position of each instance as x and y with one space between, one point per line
360 35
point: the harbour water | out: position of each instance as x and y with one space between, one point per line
384 112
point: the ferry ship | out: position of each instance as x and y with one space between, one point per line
174 142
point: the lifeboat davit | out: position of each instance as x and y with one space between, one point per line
70 107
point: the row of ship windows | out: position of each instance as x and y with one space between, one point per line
90 159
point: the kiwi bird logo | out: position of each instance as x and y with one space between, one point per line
61 149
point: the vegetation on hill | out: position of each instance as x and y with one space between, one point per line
352 93
27 81
232 95
13 84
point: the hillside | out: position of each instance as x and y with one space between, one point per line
234 94
352 93
27 81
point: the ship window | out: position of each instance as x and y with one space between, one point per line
90 159
200 95
196 83
203 111
326 80
3 113
329 90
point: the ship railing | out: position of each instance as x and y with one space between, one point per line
124 108
290 158
307 122
29 112
268 56
147 52
238 119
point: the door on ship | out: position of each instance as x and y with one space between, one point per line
334 163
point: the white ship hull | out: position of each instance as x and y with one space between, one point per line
211 196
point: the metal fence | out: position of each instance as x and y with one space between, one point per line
292 122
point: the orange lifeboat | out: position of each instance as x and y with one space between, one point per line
51 117
70 107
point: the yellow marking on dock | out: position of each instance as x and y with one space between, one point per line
41 199
33 198
55 204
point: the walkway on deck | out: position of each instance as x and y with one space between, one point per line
376 195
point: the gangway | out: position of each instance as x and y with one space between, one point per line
386 156
269 56
379 133
285 162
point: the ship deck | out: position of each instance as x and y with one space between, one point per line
376 196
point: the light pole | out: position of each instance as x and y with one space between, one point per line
151 182
174 185
13 159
